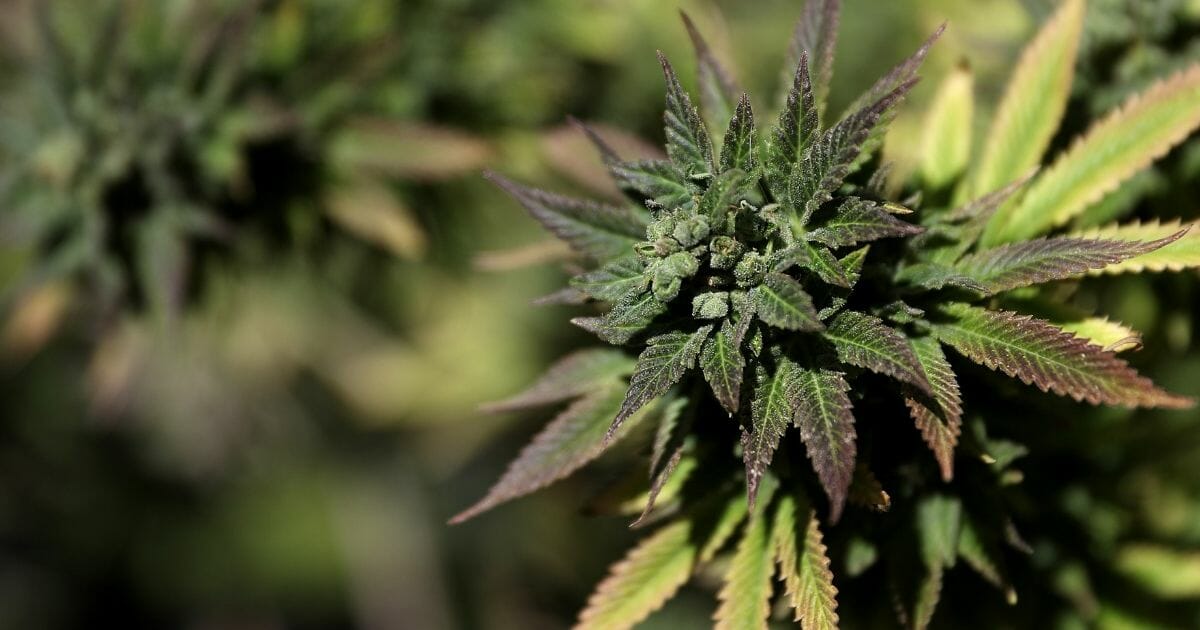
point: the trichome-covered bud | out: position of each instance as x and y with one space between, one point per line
710 305
725 252
691 231
750 270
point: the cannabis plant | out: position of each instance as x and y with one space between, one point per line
760 282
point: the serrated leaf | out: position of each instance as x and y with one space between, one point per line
822 262
865 341
795 132
1033 103
938 418
663 363
946 142
928 595
575 437
576 374
659 182
805 571
1048 259
628 317
934 276
1182 254
726 190
781 301
939 519
1128 140
639 584
740 150
718 91
828 159
772 410
745 596
600 231
727 521
1039 354
613 281
722 363
815 37
859 221
671 440
688 144
1100 331
984 558
973 216
823 414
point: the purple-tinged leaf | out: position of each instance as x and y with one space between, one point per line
866 342
722 363
671 440
830 157
688 144
826 421
740 150
972 218
566 296
628 317
1048 259
938 418
600 231
718 91
660 182
577 436
1040 354
775 400
663 363
860 221
795 132
613 281
934 276
576 374
781 301
815 37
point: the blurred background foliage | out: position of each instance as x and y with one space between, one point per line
245 251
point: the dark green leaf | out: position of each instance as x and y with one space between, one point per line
867 342
822 262
722 363
613 281
631 315
688 144
795 132
858 221
781 302
823 414
663 363
815 37
659 182
774 406
740 150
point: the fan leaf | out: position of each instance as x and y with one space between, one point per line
659 182
639 584
1039 354
782 302
860 221
1033 103
593 229
865 341
745 596
805 571
722 363
797 129
823 414
938 418
688 144
1182 254
815 38
718 91
774 406
574 375
1099 331
613 281
946 143
663 363
740 150
1115 149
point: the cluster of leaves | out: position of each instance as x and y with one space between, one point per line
146 136
773 282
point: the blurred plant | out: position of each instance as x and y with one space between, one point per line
747 265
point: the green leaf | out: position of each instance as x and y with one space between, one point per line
1033 103
1171 574
946 142
575 437
1182 254
805 571
1048 259
782 302
858 221
822 262
639 584
983 556
717 88
1037 353
774 406
613 281
934 276
576 374
1100 331
727 521
828 160
593 229
797 129
971 219
928 595
938 418
688 144
813 41
629 316
823 415
722 363
1122 145
866 342
939 518
745 596
663 363
659 182
740 150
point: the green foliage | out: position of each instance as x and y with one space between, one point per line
746 265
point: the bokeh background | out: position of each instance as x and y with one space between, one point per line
253 288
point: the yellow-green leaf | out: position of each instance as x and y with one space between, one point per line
946 143
1100 331
1182 254
1033 103
805 572
746 595
1168 573
643 580
1114 150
